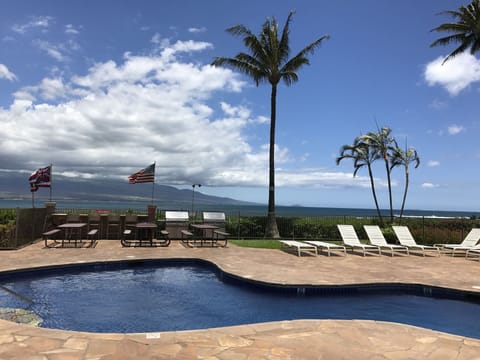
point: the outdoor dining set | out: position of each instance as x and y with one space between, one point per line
133 230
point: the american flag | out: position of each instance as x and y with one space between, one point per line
143 176
40 178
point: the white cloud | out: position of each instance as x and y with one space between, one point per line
6 74
35 23
455 129
8 38
157 39
56 52
455 75
433 163
71 29
438 104
197 30
429 185
51 89
119 117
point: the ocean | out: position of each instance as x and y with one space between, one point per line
244 210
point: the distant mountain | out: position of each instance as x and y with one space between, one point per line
16 186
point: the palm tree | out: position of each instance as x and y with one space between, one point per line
362 156
465 32
268 61
400 157
380 143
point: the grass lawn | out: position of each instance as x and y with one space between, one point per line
264 244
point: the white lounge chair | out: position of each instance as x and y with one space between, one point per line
328 246
299 246
472 238
473 251
375 236
350 239
406 239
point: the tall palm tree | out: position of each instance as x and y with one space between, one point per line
404 158
362 156
465 32
268 61
381 144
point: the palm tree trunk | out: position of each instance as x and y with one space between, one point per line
404 194
372 184
389 189
272 229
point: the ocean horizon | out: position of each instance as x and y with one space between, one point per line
244 210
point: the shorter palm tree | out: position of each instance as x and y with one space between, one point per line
381 144
362 157
465 32
404 158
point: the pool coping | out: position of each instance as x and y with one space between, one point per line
286 339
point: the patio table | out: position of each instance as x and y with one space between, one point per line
201 231
145 232
72 231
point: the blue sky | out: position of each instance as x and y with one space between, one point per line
104 88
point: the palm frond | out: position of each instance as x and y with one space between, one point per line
465 31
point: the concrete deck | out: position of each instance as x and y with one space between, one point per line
301 339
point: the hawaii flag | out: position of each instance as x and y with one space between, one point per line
143 176
40 178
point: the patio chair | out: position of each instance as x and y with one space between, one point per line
322 245
93 229
473 251
350 239
469 242
114 225
375 236
73 218
298 246
405 238
129 229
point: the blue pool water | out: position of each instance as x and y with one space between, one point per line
145 297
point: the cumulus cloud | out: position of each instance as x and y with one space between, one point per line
118 117
429 185
6 74
433 163
455 75
455 129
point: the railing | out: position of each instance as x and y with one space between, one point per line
425 230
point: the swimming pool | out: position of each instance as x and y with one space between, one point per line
152 296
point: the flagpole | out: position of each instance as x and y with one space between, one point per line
33 198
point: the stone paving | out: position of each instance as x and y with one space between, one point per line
299 339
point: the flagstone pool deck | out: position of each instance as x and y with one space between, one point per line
299 339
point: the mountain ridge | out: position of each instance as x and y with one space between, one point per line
16 186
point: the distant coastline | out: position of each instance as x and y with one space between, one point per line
244 210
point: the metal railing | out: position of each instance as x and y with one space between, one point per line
26 225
